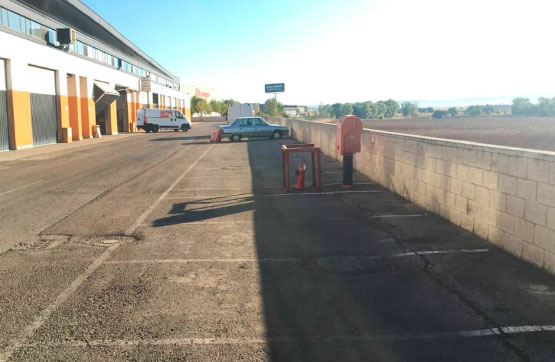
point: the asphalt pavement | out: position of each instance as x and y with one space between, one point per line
166 247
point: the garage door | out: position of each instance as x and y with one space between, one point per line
4 133
44 107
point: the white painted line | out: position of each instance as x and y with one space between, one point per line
394 216
260 187
230 176
272 195
188 341
148 211
18 188
432 252
185 261
289 260
30 329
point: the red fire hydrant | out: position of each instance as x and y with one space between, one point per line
300 176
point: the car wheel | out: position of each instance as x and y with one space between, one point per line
184 128
277 135
235 138
155 129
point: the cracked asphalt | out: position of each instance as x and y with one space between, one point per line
165 247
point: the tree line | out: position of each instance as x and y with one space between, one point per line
544 108
364 110
201 106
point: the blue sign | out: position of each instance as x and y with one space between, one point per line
275 88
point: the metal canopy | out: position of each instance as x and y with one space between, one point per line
104 95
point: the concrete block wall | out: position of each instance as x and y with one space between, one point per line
502 194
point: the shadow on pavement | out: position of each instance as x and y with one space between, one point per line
342 301
205 209
183 138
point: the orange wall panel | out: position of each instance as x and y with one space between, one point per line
21 123
75 117
112 126
63 106
85 124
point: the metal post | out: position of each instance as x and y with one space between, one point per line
347 171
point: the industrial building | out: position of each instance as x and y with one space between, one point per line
65 72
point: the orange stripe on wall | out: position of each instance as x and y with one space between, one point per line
21 124
75 117
88 116
112 122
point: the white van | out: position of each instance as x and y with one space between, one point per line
152 120
235 111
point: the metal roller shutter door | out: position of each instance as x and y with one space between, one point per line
4 133
44 106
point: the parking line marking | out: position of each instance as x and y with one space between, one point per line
151 208
291 260
274 195
188 341
18 188
30 329
260 187
185 261
395 216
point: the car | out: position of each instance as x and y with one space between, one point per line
253 127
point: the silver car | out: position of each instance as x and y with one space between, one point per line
253 127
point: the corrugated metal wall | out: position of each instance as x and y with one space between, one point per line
44 106
4 133
44 112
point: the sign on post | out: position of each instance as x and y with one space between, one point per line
275 87
145 84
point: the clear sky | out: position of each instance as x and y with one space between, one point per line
351 50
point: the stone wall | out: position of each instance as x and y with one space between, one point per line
504 195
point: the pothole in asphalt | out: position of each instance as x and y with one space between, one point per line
105 240
48 241
348 264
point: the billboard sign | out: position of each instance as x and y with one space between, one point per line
274 88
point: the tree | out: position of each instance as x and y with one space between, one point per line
452 111
336 110
217 106
392 108
409 109
546 107
381 109
271 108
489 109
439 114
474 110
372 110
523 107
361 110
199 105
324 110
345 109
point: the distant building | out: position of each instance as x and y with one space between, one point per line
201 92
295 111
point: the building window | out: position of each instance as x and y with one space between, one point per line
13 21
4 17
35 30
